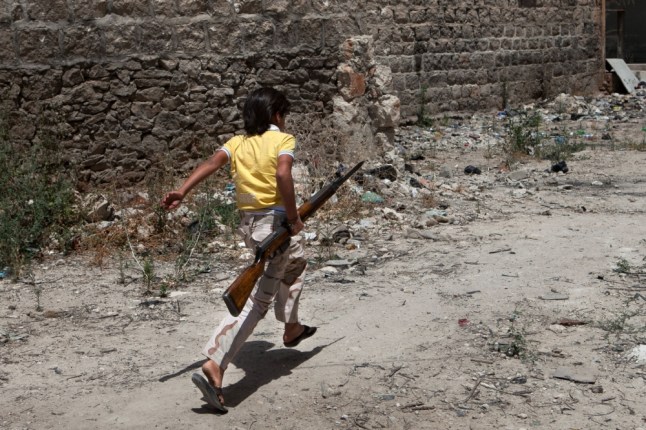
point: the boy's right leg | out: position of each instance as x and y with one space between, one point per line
232 332
211 387
213 373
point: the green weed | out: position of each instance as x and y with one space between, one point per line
620 324
523 134
561 149
623 266
148 272
37 205
517 344
163 289
423 120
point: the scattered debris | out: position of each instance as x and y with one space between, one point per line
554 296
638 354
472 170
568 322
561 166
581 375
371 197
327 391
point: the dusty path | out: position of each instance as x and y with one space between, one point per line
390 352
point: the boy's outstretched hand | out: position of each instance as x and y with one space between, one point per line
172 200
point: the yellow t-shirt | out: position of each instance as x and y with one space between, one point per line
253 165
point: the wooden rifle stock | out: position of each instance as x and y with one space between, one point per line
239 291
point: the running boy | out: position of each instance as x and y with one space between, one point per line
261 165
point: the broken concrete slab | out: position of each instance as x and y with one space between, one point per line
581 375
639 70
625 75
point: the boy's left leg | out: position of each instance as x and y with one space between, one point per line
288 295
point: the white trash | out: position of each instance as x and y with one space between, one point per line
638 354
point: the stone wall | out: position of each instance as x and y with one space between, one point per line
118 83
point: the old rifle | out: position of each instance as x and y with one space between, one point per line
239 291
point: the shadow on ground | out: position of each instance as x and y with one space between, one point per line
260 363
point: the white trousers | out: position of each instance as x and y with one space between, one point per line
281 283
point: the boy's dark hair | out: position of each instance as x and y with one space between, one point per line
261 105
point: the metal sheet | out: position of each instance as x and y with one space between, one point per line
626 76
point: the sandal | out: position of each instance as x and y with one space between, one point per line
307 332
211 394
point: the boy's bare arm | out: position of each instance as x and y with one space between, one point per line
172 199
285 184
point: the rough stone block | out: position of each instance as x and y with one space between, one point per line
167 8
259 36
130 8
72 77
191 37
5 12
273 77
306 32
85 10
121 39
195 7
412 80
247 6
287 6
222 37
339 28
399 83
38 45
156 37
254 35
218 8
82 41
323 6
154 94
52 10
7 53
21 126
42 85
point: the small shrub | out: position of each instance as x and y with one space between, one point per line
37 204
523 134
560 149
620 324
623 266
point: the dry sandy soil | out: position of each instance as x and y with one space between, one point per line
412 336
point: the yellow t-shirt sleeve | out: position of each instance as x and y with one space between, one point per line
287 146
228 148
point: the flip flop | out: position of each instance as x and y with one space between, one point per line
211 394
307 332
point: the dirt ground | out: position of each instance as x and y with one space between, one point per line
463 329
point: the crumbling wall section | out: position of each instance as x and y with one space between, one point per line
118 83
467 56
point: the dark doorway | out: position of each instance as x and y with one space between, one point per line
625 30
